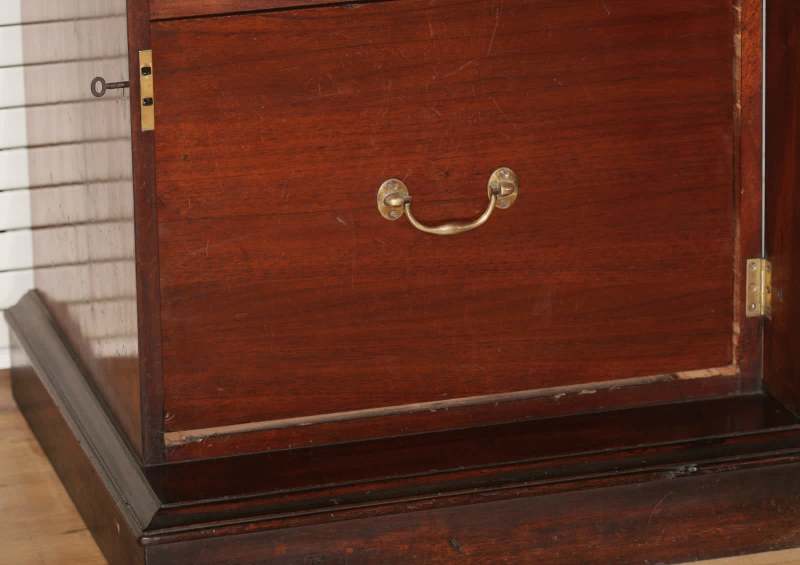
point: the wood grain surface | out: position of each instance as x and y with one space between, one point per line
754 508
748 194
285 294
547 403
40 526
168 9
782 352
145 226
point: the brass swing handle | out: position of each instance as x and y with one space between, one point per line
394 201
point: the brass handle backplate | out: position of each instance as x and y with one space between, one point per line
394 201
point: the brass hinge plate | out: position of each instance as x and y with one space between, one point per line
147 101
759 288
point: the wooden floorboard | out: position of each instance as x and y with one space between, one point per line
38 523
40 526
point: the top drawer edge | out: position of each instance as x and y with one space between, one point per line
176 9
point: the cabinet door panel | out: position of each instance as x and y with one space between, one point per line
286 296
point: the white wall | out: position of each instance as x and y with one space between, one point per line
15 215
48 147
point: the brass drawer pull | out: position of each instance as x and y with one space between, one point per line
394 201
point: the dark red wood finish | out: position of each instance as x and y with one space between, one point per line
749 122
170 9
672 521
452 454
147 252
782 357
182 446
285 294
278 506
238 238
724 466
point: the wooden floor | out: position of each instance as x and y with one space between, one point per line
38 523
40 526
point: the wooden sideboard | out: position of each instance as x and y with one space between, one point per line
427 281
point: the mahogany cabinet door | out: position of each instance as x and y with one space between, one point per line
287 299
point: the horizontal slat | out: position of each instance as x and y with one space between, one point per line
30 11
58 82
61 205
13 285
12 92
83 243
106 118
105 323
62 45
13 130
66 245
71 204
11 12
72 40
15 210
14 206
10 46
65 164
14 169
97 202
16 250
101 281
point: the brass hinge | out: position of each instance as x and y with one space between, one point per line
759 288
146 96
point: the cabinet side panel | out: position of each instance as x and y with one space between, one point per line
147 253
782 359
81 198
748 337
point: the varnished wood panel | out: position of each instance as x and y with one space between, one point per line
381 501
782 338
166 9
285 294
748 338
47 530
545 448
147 252
547 403
678 518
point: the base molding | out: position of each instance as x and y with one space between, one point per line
666 521
109 524
725 482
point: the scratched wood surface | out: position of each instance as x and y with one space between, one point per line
40 526
285 294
